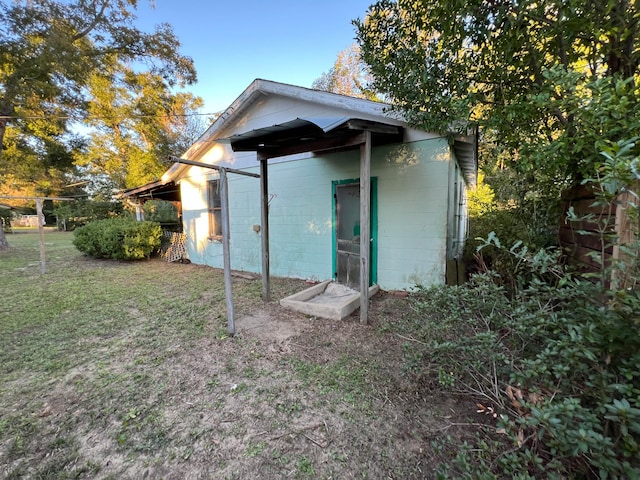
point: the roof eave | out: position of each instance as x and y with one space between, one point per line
260 88
465 148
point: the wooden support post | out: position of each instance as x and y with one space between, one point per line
365 225
43 263
185 161
3 241
264 204
226 252
626 231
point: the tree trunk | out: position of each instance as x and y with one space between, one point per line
3 129
4 245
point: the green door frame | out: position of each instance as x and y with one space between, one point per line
373 255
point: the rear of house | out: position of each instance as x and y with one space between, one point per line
417 193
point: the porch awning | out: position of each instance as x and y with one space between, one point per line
159 190
313 135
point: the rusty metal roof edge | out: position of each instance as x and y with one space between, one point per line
132 191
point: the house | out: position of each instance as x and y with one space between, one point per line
294 159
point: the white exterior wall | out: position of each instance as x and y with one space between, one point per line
412 190
412 214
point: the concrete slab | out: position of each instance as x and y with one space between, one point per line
326 300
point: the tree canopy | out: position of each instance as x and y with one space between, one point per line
549 80
64 63
137 123
348 76
49 49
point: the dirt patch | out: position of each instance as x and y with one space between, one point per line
288 397
328 399
270 325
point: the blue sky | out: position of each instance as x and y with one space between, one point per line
234 42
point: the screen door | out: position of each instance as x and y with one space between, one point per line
348 235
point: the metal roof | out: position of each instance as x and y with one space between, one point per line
313 135
161 190
465 148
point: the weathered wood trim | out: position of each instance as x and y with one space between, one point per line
319 145
264 229
596 246
365 225
375 127
212 167
589 239
626 232
226 252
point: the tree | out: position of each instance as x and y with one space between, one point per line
348 76
49 51
41 167
138 123
548 80
49 48
36 164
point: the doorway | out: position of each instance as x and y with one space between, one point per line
346 235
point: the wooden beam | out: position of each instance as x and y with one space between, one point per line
226 252
317 145
375 127
264 229
43 266
212 167
226 236
365 225
57 199
626 233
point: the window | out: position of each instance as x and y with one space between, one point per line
215 209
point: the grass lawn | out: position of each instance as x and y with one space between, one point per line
124 370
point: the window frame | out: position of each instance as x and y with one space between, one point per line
214 205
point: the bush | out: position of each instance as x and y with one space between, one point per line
5 219
559 362
160 211
511 225
553 357
118 238
71 215
516 209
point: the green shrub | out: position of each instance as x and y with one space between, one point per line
118 238
160 211
559 362
553 357
71 215
5 219
511 225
